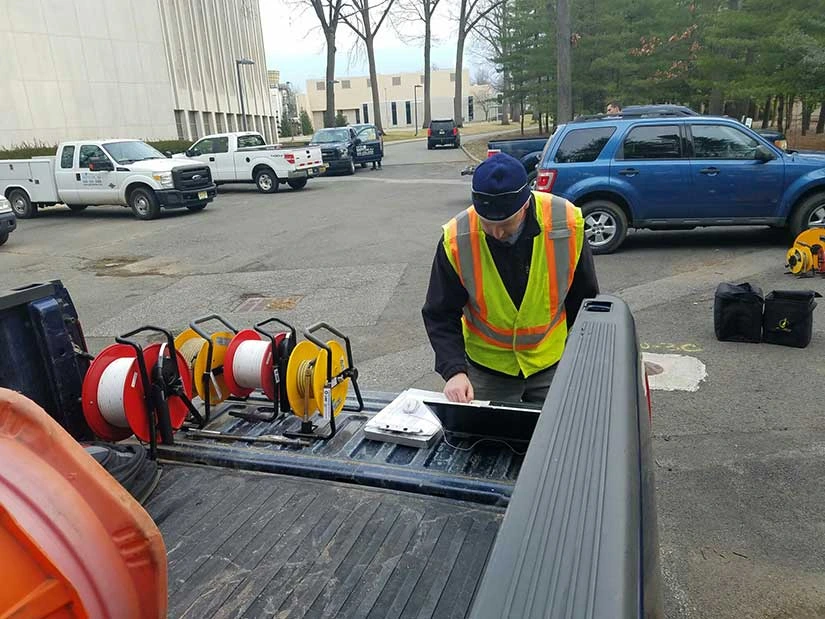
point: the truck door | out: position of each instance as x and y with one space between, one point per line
370 147
65 177
214 152
95 186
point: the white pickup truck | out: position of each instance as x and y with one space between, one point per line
245 157
122 172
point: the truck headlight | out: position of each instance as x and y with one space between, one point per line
165 179
5 205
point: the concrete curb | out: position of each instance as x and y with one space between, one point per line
471 156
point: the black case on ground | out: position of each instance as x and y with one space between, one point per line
737 313
788 318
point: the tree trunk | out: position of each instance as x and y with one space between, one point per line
563 72
329 113
752 110
376 102
807 112
789 113
458 108
427 42
505 100
716 102
766 112
820 124
780 112
521 114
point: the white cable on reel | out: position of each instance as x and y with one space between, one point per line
248 361
110 390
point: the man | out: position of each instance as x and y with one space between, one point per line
507 281
613 108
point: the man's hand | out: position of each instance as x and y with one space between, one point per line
459 388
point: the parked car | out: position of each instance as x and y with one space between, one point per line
337 146
8 221
443 133
371 148
679 172
97 172
245 157
526 150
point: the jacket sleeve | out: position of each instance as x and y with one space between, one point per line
446 298
584 285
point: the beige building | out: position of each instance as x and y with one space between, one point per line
401 97
149 69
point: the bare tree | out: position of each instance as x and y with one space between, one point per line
470 13
421 11
564 80
328 13
490 33
357 15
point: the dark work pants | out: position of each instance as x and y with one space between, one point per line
487 386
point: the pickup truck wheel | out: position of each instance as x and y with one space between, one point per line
4 237
297 183
77 207
266 181
144 203
810 213
196 207
21 205
605 226
351 167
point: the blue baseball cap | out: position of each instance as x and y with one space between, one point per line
500 187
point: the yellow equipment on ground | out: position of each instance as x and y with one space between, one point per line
807 255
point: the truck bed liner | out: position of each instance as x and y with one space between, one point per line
245 544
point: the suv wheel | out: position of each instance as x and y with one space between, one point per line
605 226
21 205
4 236
810 213
266 181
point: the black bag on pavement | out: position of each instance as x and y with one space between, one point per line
788 318
737 313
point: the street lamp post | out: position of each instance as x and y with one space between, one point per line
415 104
238 64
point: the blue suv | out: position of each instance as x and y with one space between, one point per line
678 172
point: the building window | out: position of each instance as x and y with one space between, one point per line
408 111
320 85
230 122
219 122
193 125
452 77
207 122
357 116
180 124
396 81
345 84
369 83
394 113
365 108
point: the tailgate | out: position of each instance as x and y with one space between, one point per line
306 157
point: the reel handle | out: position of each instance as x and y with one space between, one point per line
124 338
195 325
259 327
322 325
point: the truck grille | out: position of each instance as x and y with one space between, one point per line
329 154
189 178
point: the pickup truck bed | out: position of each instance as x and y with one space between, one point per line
244 544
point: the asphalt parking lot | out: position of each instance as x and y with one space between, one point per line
740 461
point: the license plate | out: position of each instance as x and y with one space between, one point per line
202 195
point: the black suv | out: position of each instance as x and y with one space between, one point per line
441 133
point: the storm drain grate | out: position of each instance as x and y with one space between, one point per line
264 304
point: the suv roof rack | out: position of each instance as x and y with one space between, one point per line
641 111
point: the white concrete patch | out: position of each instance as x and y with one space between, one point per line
678 372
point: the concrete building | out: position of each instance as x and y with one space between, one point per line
151 69
401 97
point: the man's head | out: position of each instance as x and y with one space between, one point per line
614 107
501 195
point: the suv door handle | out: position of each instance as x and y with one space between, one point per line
709 171
77 176
629 172
211 159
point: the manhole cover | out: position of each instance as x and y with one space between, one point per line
265 304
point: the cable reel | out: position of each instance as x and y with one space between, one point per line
807 255
130 390
799 260
204 353
317 380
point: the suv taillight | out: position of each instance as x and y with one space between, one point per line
455 130
492 151
289 157
545 180
429 133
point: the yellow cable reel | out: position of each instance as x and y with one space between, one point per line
306 378
799 259
195 350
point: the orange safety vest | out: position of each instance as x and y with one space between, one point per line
497 334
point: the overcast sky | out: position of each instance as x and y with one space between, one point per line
295 45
